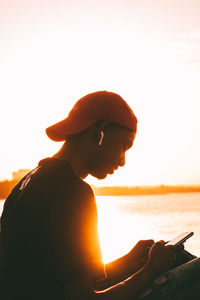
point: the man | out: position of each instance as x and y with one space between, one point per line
49 241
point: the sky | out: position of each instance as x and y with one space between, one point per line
54 52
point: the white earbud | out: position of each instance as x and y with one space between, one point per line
101 138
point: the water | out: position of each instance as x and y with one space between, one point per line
123 220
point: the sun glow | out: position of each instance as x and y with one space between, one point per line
52 57
118 232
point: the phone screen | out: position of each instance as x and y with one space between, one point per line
181 238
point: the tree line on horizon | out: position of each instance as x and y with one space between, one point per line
7 185
143 190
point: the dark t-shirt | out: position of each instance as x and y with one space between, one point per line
48 234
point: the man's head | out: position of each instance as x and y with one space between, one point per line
101 105
112 141
99 129
100 149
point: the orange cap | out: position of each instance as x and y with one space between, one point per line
89 109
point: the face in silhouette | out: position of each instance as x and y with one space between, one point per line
110 155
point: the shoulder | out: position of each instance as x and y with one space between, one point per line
57 176
53 175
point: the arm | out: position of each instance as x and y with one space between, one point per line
160 258
129 264
132 287
122 268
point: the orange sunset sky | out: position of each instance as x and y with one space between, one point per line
54 52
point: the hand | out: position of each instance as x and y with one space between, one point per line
161 257
178 248
138 256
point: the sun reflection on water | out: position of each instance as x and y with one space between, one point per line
123 221
118 231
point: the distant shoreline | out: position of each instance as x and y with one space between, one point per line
7 185
143 190
141 193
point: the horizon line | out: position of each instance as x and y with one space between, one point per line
128 186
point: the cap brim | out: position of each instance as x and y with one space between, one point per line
69 126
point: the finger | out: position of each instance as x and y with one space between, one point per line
146 251
157 245
170 251
150 242
161 241
147 243
179 247
171 248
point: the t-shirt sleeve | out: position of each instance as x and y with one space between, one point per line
88 236
72 227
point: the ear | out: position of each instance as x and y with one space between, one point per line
100 131
101 139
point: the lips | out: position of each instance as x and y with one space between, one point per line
111 171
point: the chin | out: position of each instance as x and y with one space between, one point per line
99 175
102 176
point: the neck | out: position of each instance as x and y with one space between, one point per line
74 158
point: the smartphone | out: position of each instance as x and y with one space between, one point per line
181 238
